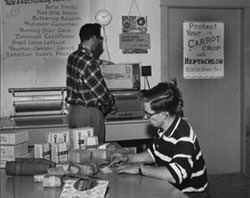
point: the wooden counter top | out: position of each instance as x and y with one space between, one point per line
120 186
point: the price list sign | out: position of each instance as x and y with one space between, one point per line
41 28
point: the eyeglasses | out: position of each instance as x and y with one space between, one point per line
149 115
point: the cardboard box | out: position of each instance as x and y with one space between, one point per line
59 152
79 156
52 181
13 138
58 137
79 137
42 151
92 142
99 155
3 163
13 151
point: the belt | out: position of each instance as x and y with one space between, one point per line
84 105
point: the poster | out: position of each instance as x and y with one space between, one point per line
134 37
203 50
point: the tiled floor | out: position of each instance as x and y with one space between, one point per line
235 185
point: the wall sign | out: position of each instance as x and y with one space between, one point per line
134 41
41 29
203 45
134 37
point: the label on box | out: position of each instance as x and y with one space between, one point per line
92 142
79 137
38 178
3 163
42 151
14 137
59 152
58 137
52 181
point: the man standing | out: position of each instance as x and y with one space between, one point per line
88 97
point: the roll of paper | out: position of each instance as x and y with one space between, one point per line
34 106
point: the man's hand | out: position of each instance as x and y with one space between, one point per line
114 109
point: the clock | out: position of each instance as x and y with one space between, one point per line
103 17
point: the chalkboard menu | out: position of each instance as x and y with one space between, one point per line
42 28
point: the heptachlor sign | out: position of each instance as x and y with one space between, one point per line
203 50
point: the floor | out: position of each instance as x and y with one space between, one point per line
235 185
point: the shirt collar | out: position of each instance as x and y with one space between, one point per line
85 49
171 129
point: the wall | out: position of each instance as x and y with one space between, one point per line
51 71
218 109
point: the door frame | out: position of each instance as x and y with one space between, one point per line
244 6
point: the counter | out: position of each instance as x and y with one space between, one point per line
120 186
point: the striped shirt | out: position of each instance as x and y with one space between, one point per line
178 150
85 83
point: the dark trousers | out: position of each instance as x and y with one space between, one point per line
80 116
204 194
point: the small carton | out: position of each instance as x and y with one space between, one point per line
3 163
38 178
58 137
13 151
59 152
13 138
99 154
92 142
79 137
42 151
52 181
77 156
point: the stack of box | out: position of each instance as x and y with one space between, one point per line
79 137
13 145
56 147
42 151
59 142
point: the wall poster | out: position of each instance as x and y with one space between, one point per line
134 37
203 50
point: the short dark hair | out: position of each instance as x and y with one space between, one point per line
164 97
88 30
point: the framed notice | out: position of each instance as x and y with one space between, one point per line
203 50
134 37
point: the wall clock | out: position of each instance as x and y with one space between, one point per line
103 17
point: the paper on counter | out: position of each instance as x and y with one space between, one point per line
69 191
